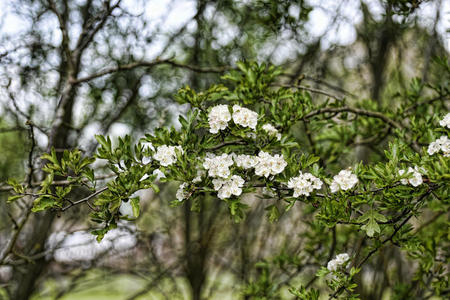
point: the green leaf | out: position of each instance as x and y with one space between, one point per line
322 272
13 198
273 213
371 227
135 205
45 202
379 217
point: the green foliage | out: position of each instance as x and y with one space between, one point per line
378 204
304 294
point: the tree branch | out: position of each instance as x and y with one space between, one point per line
150 64
85 199
309 89
357 111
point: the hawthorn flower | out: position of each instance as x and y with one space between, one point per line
166 155
445 122
269 165
182 194
304 184
441 144
272 131
159 174
198 178
338 261
345 180
218 118
244 117
415 179
433 148
145 147
246 161
228 187
218 165
148 145
277 164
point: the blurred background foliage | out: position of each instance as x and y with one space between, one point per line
96 59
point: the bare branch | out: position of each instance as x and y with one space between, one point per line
85 199
56 183
357 111
150 64
309 89
16 128
30 154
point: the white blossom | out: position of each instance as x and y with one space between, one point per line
218 165
415 178
441 144
433 148
145 176
159 174
272 131
145 146
198 177
218 118
228 187
342 258
304 184
246 161
445 122
166 155
182 194
148 145
244 117
338 261
269 165
345 180
332 265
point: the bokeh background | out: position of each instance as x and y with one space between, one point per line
96 59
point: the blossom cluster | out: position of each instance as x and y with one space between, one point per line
415 178
344 180
219 116
338 261
269 165
166 155
228 187
218 165
441 144
271 130
304 184
264 164
244 117
182 194
246 161
445 122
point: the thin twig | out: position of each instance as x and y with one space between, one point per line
309 89
56 183
358 111
30 154
150 64
85 199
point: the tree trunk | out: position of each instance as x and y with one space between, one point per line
38 227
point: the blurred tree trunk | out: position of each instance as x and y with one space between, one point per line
39 226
